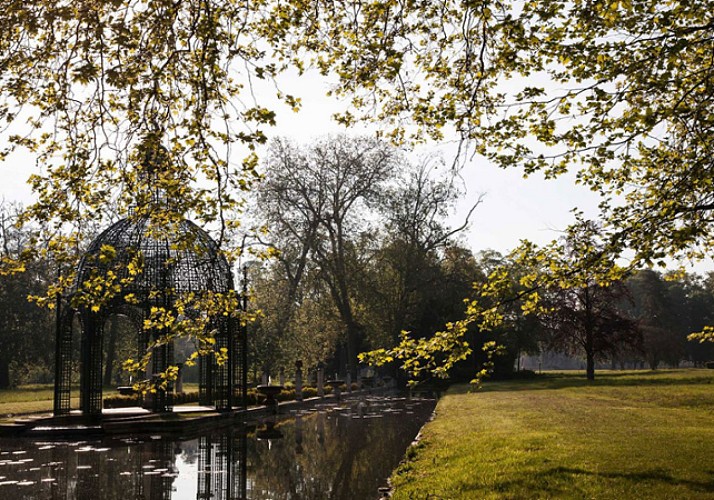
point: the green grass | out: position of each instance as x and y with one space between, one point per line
38 398
628 435
27 399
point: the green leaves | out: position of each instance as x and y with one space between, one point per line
706 335
620 90
94 82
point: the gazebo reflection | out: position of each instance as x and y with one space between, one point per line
222 466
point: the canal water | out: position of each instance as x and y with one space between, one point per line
340 451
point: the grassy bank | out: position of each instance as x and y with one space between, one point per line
38 398
26 399
628 435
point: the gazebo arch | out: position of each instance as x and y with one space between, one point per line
185 260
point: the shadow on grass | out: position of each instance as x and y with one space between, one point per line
563 480
565 380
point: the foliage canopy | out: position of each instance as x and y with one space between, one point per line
620 90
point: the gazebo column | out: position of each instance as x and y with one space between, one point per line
90 377
63 359
222 376
205 381
162 357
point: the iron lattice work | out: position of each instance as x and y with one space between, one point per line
222 466
188 261
155 268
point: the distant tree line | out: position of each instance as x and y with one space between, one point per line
26 341
642 320
359 249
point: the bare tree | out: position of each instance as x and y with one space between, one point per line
317 200
416 232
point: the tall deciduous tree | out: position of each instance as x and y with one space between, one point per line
394 232
26 331
587 319
416 238
316 200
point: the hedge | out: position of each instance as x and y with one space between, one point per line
253 396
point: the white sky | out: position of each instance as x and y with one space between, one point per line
513 208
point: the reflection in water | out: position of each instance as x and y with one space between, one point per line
81 470
335 452
222 466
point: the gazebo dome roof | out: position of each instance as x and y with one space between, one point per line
186 259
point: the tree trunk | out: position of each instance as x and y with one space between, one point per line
589 337
111 351
590 367
4 374
353 343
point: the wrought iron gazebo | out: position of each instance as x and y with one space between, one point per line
173 264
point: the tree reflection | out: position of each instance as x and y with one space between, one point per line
334 453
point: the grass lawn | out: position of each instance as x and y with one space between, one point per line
628 435
39 398
28 399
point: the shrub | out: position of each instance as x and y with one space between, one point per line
119 401
31 373
186 397
287 395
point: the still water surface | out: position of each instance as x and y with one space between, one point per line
340 452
